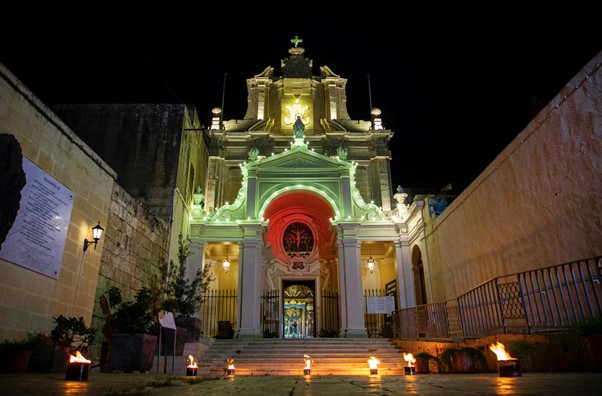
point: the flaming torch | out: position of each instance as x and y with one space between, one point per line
507 366
78 368
230 370
307 368
192 368
409 369
373 363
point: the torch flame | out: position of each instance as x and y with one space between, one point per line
230 363
78 358
192 362
307 362
408 357
499 349
373 362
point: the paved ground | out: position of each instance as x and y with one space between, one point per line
97 384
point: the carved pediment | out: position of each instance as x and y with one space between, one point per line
299 160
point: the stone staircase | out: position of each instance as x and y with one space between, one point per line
276 356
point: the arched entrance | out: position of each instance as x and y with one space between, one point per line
418 274
298 309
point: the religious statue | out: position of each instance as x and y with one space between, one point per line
298 128
325 274
270 273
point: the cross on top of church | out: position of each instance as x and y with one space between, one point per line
296 40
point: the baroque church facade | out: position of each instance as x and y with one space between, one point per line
298 200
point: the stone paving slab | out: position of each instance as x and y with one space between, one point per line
99 384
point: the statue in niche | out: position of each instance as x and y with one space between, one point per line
270 274
325 274
253 153
298 128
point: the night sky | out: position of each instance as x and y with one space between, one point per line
455 90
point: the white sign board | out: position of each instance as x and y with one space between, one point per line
166 320
37 238
380 304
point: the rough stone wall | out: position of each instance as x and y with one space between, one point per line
135 253
140 141
536 205
29 300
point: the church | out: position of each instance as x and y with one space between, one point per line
291 207
298 200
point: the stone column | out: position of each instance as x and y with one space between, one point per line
407 295
350 273
249 282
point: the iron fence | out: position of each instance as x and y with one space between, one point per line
330 319
377 324
270 314
545 300
219 306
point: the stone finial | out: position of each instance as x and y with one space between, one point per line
342 152
400 196
253 153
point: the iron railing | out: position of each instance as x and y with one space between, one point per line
330 325
546 300
218 306
270 314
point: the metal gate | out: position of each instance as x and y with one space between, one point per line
218 309
270 314
330 324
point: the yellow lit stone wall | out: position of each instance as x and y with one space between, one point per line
29 300
536 205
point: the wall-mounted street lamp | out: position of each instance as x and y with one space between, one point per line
97 232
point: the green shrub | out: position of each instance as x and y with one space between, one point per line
478 358
136 316
183 296
72 331
586 327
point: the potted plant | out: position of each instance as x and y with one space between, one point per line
131 330
183 295
423 362
591 330
70 334
524 351
16 354
464 360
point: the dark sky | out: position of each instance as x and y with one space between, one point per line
455 87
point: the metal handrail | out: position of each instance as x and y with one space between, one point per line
545 300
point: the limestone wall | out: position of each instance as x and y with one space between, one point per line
29 300
536 205
135 252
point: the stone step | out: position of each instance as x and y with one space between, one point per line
331 356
